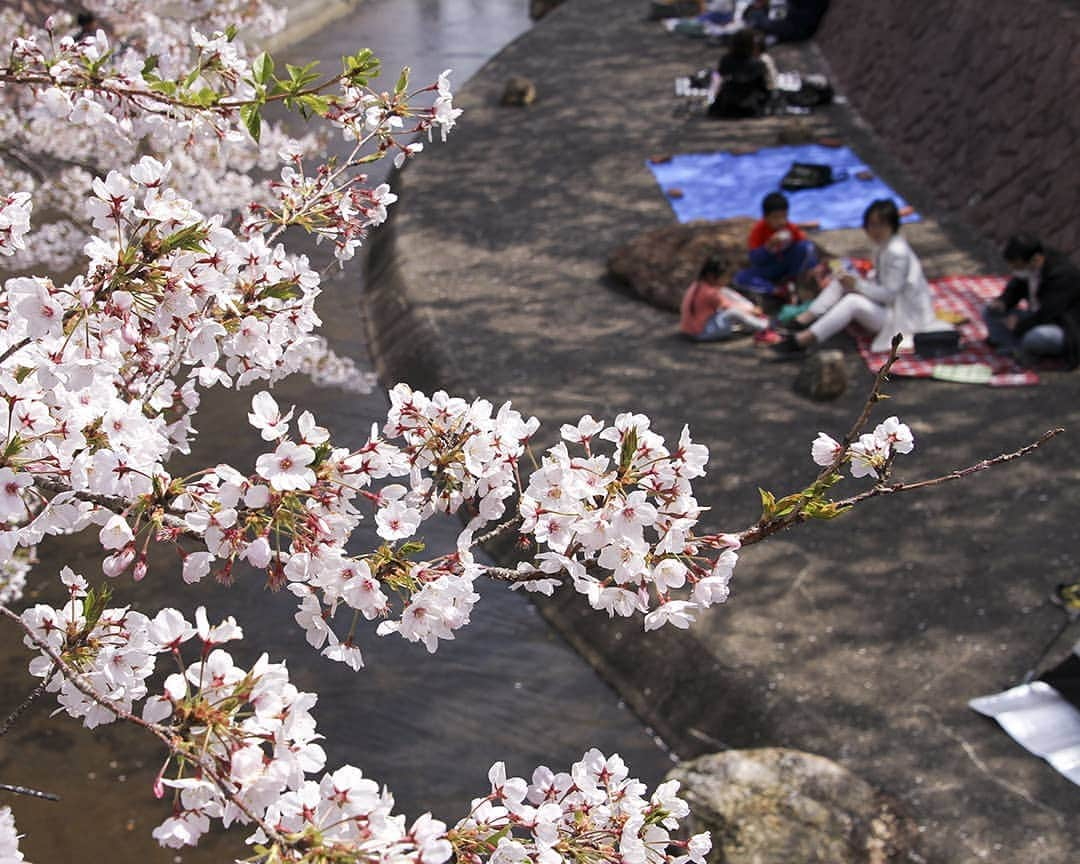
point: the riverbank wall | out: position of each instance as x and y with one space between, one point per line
977 98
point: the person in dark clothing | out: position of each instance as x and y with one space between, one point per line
801 22
744 86
1050 283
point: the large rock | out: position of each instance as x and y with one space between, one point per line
658 265
776 806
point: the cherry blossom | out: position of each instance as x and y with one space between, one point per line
176 203
9 839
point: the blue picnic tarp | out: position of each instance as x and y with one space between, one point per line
721 185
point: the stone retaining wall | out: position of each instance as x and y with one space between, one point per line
978 98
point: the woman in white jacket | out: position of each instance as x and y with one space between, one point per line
896 299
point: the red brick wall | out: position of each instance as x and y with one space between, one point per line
979 98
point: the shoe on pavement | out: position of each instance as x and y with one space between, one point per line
788 348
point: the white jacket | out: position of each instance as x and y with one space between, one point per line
899 285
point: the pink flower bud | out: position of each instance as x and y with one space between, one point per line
117 563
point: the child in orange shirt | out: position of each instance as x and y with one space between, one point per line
779 251
711 311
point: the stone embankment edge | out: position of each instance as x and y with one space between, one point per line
402 338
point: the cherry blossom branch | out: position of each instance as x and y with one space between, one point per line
762 530
115 503
770 525
958 474
506 574
64 668
171 741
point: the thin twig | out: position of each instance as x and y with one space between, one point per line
506 574
498 531
959 474
762 530
18 346
9 721
26 790
871 400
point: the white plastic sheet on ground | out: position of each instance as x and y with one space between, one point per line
1039 719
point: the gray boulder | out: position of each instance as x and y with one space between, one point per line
777 806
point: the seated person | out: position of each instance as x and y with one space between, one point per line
779 251
800 23
1050 283
711 311
756 15
895 299
746 83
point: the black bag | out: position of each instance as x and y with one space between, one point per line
701 79
937 343
806 175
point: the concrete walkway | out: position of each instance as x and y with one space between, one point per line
861 639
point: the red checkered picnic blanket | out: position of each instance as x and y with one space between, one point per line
961 296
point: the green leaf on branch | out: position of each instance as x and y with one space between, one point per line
825 509
94 604
149 65
206 97
312 103
768 505
192 76
284 290
361 67
412 547
322 452
230 32
263 68
14 446
252 120
402 81
301 76
159 85
188 239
